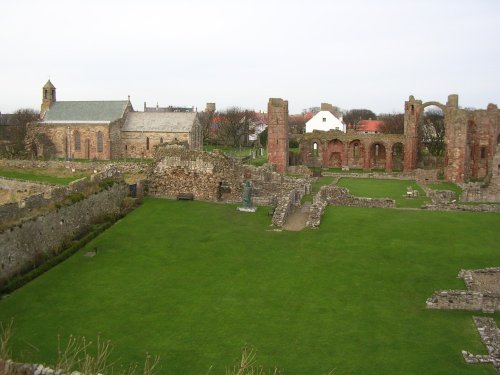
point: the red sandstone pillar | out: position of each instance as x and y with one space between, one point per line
277 142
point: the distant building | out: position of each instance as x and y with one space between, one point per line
369 126
326 119
105 130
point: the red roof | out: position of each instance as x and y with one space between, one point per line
369 126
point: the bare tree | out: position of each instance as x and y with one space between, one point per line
431 132
353 116
233 125
12 135
394 123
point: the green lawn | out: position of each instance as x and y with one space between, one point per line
394 189
194 282
39 176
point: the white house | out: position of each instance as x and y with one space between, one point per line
324 120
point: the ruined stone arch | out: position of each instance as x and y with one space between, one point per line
356 154
334 153
377 154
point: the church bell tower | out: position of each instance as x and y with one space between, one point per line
48 97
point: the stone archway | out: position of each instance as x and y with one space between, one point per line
356 154
334 154
397 151
378 155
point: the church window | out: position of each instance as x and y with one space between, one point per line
376 150
53 94
45 93
356 150
147 143
100 142
483 152
315 149
77 141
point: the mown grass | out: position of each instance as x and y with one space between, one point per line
40 176
194 282
378 188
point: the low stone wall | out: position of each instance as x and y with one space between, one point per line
286 202
463 207
339 196
442 196
315 213
8 367
474 192
464 300
131 167
50 194
490 336
483 292
24 245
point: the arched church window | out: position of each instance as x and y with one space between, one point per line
376 150
77 141
45 93
356 150
100 142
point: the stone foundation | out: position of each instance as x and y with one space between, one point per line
483 293
490 336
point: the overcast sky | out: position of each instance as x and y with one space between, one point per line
351 53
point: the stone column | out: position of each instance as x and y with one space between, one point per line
367 161
345 155
388 158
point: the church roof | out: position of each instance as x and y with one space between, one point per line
85 111
168 122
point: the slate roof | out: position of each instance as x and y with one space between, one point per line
168 122
85 111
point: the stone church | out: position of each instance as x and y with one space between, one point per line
104 130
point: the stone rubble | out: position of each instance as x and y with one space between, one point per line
490 336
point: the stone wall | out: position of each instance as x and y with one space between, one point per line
50 194
464 300
131 167
214 176
483 292
339 196
490 336
286 202
43 236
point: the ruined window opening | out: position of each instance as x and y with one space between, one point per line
147 143
276 141
161 139
376 150
315 149
356 150
53 94
412 109
125 147
77 141
483 152
100 142
45 94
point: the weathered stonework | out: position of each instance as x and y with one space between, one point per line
490 336
483 293
277 138
21 246
214 176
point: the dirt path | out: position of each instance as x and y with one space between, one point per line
297 220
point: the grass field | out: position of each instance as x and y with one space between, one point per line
394 189
52 177
194 282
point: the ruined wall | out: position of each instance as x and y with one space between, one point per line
214 176
464 300
277 139
44 235
339 196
